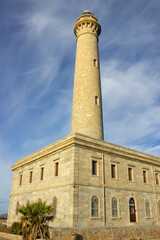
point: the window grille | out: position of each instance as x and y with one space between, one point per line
114 207
147 208
94 207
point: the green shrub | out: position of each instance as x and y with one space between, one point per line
16 228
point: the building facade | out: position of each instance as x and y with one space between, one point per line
90 182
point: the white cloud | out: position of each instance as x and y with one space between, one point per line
153 150
131 111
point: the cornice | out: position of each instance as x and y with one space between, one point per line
77 139
89 23
58 145
107 147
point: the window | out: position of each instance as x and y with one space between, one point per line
147 208
130 174
114 207
30 178
113 171
20 180
96 100
56 169
94 167
95 62
42 173
54 206
156 177
17 208
132 210
159 207
94 207
144 176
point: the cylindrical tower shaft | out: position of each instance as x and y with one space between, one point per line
87 100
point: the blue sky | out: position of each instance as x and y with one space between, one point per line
37 58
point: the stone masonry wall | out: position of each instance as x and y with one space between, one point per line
124 233
51 186
89 185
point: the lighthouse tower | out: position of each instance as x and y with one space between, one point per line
87 100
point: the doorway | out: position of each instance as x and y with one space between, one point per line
132 210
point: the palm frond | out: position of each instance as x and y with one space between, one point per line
35 219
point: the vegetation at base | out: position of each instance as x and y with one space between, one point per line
35 219
16 228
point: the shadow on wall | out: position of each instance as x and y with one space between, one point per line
76 236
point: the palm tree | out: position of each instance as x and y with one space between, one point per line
34 220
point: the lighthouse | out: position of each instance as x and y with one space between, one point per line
87 99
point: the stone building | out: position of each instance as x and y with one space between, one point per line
90 182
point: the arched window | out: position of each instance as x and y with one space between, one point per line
54 203
114 207
17 208
132 210
94 207
147 208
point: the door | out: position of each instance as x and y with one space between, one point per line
132 210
